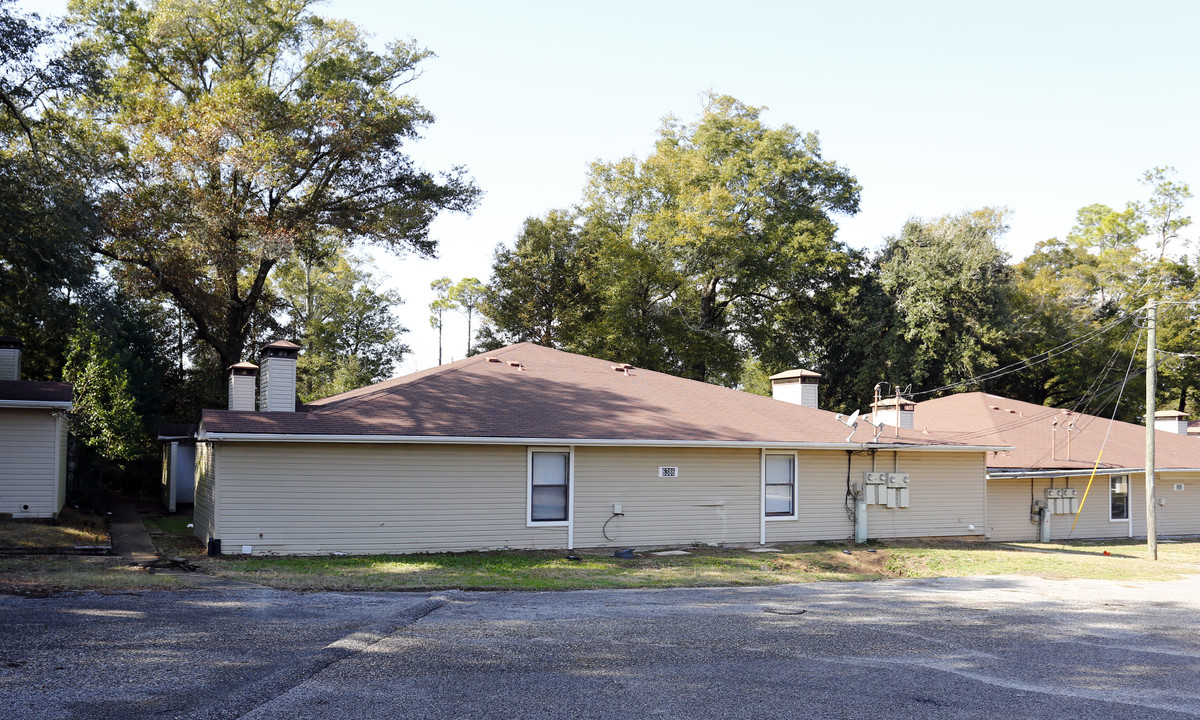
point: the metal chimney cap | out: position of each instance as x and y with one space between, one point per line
243 368
281 348
797 373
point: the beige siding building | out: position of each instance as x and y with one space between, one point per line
1097 463
534 448
33 440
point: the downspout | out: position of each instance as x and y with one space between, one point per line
60 481
571 503
762 496
860 501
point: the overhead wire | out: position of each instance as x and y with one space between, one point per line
1033 360
1092 397
1104 442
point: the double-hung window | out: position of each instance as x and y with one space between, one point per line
779 485
1118 497
549 486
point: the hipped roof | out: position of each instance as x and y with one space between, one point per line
536 392
982 418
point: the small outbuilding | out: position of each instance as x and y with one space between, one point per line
33 439
178 442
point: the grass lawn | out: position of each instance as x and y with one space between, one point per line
44 575
552 570
72 529
532 570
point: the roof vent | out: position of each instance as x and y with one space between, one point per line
622 368
517 364
493 359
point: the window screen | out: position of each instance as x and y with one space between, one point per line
548 491
780 485
1118 496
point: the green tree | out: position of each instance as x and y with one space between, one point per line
538 292
442 302
238 133
1164 212
105 416
45 212
685 261
467 295
342 316
949 283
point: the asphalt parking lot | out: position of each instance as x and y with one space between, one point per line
951 648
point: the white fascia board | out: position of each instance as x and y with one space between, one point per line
469 440
37 404
1013 474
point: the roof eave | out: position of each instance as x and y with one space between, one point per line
609 442
37 404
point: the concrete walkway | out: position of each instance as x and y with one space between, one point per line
130 538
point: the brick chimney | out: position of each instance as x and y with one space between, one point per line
10 357
798 387
241 386
277 383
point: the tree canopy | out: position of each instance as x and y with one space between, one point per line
236 134
715 242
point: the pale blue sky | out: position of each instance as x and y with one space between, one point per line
936 107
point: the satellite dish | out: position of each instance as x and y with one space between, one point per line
850 422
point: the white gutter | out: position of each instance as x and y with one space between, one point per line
1013 474
37 404
592 442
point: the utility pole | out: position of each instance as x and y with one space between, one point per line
1151 384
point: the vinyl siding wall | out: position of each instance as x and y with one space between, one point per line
946 496
204 513
366 498
713 500
1180 513
322 498
1009 503
32 463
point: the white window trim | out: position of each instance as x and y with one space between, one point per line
795 487
569 522
1128 500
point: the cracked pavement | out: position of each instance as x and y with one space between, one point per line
999 647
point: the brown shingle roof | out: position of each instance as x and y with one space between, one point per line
994 420
34 391
529 391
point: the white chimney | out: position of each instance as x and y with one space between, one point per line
895 412
10 358
277 384
1171 421
241 386
798 387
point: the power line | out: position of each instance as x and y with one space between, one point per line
1031 361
